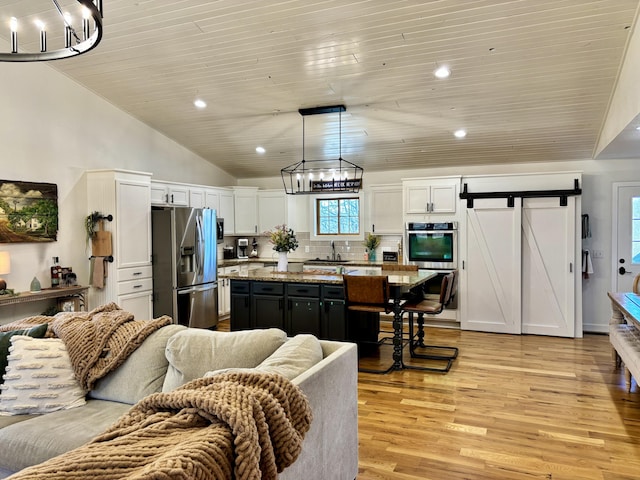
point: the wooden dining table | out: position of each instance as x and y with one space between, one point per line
401 282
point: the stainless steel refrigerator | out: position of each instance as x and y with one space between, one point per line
185 265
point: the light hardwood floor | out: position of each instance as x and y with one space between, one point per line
511 408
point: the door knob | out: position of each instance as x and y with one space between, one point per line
623 270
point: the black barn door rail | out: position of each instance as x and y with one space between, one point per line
510 196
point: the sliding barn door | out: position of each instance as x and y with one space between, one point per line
548 272
491 272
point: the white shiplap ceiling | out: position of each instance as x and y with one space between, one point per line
531 79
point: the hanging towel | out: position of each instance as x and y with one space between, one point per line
587 266
98 271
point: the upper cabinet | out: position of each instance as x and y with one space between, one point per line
197 198
427 196
272 209
245 210
385 207
169 194
212 200
227 210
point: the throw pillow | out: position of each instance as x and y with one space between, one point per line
193 352
291 359
39 331
294 357
39 377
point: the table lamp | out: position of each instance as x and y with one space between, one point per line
5 267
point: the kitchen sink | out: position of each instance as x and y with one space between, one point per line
326 260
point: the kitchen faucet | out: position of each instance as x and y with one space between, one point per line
333 250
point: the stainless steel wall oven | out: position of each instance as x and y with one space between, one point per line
432 245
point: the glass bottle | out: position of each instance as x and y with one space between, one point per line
56 273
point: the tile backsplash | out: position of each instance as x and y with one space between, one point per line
347 249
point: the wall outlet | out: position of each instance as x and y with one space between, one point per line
306 249
598 254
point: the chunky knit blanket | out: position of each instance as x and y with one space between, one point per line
235 425
98 341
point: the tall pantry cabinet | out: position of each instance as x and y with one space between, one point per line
127 196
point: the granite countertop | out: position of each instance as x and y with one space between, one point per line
270 275
230 262
320 276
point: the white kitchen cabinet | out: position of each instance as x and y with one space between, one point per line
227 211
166 193
385 207
196 197
224 284
272 209
212 200
223 294
139 303
224 289
431 196
127 196
245 210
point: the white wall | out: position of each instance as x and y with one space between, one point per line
597 179
53 130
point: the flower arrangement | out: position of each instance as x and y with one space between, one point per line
371 241
283 239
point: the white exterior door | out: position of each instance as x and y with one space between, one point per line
626 235
491 274
548 270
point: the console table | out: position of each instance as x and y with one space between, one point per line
624 333
76 293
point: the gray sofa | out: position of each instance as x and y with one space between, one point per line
175 355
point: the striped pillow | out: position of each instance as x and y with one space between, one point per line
39 378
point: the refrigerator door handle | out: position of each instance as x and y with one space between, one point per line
199 246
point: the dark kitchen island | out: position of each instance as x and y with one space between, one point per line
307 302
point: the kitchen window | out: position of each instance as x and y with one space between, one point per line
338 216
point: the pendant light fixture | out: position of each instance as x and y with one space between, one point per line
76 42
322 176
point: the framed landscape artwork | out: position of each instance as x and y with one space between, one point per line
28 212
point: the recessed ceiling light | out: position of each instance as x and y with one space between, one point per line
260 149
199 103
442 72
638 127
460 133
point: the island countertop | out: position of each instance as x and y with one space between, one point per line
229 262
397 278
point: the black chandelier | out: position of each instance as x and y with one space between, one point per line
74 43
322 176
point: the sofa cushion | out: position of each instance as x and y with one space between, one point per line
39 331
193 352
38 439
39 378
129 382
6 420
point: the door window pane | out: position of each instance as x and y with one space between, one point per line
635 230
